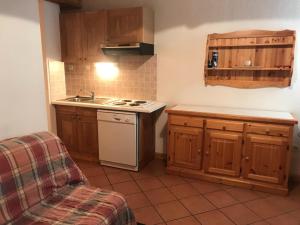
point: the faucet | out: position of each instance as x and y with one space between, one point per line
93 95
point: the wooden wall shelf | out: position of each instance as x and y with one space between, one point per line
271 54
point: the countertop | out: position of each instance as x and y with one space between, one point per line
149 108
235 113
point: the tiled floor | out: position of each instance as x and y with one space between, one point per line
158 198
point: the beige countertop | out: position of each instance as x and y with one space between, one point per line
148 108
234 113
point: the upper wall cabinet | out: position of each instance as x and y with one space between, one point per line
250 59
82 34
131 25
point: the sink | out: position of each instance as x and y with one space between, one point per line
78 99
100 101
89 100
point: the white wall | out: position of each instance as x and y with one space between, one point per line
53 54
22 91
181 29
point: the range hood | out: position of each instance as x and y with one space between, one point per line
128 49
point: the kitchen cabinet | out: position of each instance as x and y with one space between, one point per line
265 158
82 34
185 144
245 148
77 127
223 151
130 25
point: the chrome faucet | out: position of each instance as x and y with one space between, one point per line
93 95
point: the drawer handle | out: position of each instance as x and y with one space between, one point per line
185 123
247 158
223 128
118 119
199 151
206 153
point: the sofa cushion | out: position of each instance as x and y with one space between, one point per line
31 169
79 204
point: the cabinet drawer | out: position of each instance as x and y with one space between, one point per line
190 121
267 129
87 112
66 109
225 125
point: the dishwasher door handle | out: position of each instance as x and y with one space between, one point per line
116 118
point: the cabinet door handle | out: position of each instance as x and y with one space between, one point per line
185 123
199 150
247 158
223 128
118 119
206 153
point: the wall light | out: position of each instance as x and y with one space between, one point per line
107 70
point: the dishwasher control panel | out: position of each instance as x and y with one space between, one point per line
113 116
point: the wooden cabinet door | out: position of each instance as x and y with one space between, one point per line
71 38
67 130
94 34
88 136
223 152
124 25
265 158
185 147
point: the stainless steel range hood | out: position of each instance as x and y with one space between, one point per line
128 49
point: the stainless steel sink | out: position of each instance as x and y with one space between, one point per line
78 99
100 101
89 100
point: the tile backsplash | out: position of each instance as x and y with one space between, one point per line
56 80
136 80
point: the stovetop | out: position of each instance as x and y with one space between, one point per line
129 103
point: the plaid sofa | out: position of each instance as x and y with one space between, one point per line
40 184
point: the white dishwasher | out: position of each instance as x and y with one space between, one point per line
117 133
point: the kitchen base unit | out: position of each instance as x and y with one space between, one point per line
78 129
239 147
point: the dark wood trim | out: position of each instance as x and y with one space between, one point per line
68 4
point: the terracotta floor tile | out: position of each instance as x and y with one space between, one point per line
147 215
170 180
93 171
214 217
197 204
126 188
184 221
284 203
240 214
160 195
206 187
260 223
183 190
149 183
109 170
120 177
140 175
86 164
172 210
264 208
243 195
99 181
138 200
285 219
220 199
